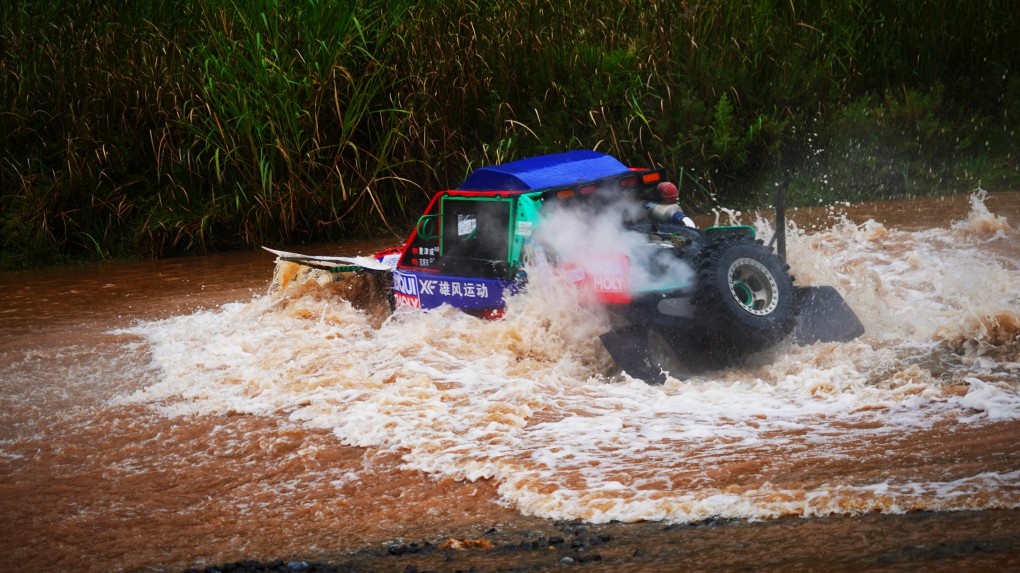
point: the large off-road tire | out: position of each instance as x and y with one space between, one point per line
745 298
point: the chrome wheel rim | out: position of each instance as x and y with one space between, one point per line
753 286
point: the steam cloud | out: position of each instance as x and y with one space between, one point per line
583 234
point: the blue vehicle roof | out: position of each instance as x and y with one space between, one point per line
544 171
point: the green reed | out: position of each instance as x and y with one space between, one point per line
288 113
157 128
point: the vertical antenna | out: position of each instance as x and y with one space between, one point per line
780 237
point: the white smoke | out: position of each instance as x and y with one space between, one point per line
584 235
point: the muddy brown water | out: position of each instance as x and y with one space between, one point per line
182 413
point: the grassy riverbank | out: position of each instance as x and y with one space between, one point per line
149 128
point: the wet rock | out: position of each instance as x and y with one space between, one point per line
462 544
709 522
555 540
526 545
397 549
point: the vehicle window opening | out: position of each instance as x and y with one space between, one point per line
476 229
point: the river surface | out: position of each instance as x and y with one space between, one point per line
182 413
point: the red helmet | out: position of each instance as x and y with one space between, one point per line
668 194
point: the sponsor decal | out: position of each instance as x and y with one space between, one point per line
401 299
430 291
608 283
454 288
602 278
426 256
574 273
406 284
466 224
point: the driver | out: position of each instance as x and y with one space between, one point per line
667 209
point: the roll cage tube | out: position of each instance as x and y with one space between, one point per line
427 228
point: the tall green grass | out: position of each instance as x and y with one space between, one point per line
158 128
289 130
729 92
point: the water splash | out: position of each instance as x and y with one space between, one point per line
532 402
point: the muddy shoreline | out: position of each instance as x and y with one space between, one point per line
931 541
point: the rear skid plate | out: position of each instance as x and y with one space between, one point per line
822 316
629 348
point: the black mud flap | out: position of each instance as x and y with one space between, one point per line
629 348
823 316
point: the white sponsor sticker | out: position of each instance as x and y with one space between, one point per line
465 225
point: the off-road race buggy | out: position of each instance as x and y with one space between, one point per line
681 298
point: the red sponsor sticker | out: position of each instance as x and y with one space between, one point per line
602 278
401 299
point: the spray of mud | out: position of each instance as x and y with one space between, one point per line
532 400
